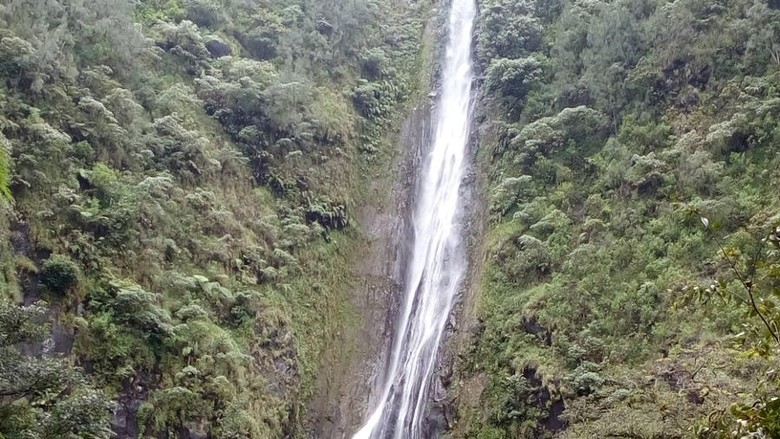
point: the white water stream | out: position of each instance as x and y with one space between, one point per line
437 263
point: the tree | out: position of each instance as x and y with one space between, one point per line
507 29
765 30
751 282
513 79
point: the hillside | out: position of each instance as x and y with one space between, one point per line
196 199
630 282
178 182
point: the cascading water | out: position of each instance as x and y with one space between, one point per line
438 262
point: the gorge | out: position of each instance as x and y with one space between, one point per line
490 219
437 261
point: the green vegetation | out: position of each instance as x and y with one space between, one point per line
608 307
177 179
59 274
43 397
179 182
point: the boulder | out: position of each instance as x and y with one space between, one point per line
218 48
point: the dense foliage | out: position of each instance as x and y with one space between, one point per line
630 152
43 397
177 180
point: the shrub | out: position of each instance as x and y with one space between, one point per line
513 78
59 274
588 382
374 100
509 193
525 260
205 13
375 63
507 29
328 214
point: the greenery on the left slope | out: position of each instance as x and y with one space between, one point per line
43 397
176 181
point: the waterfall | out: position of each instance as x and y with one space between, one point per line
437 263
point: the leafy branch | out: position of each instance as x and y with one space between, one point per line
746 280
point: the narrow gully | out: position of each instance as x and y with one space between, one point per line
437 263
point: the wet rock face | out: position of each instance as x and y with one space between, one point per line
135 390
441 411
194 434
353 365
124 424
344 388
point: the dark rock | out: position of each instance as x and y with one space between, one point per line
701 77
545 401
532 326
276 360
119 421
325 28
124 424
689 101
217 48
260 45
694 397
62 337
135 390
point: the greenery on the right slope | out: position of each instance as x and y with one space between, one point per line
609 307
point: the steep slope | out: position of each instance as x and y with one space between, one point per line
182 178
353 366
630 280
